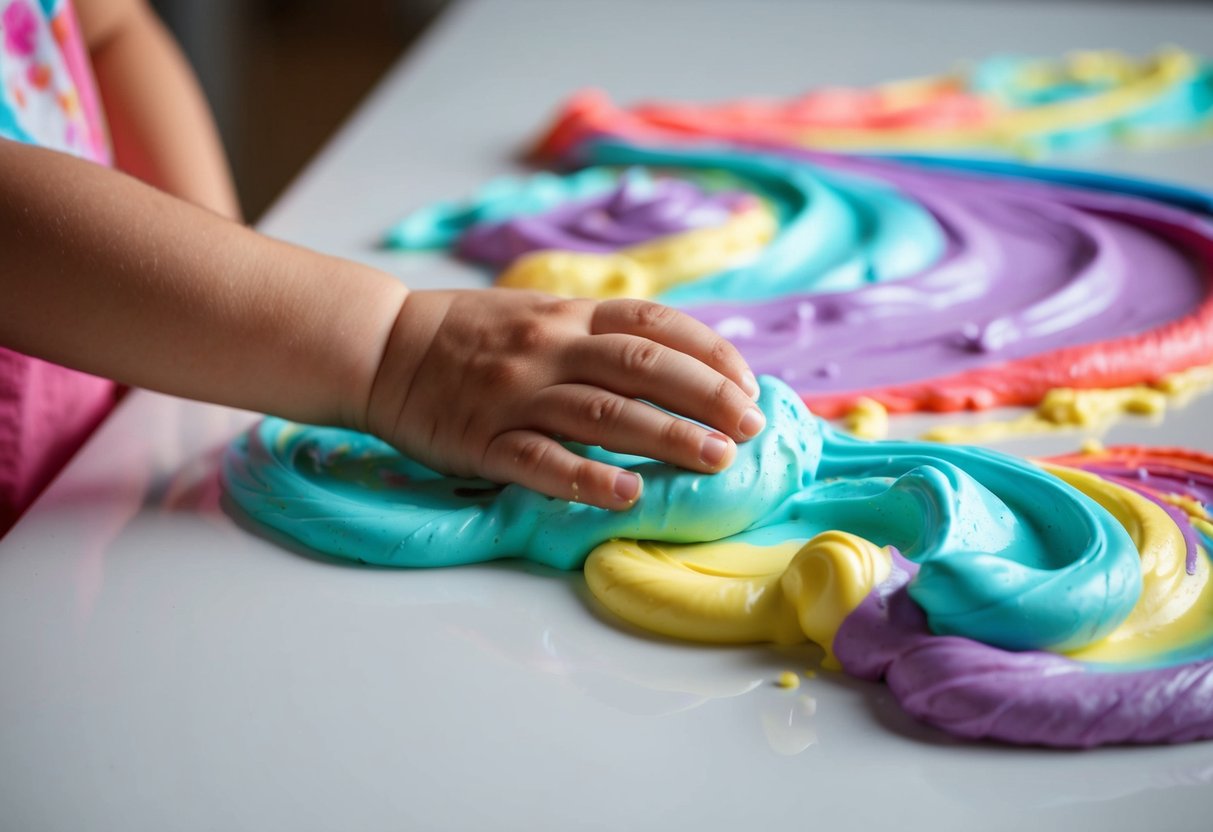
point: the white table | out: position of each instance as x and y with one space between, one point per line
165 668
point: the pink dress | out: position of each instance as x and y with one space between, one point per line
48 98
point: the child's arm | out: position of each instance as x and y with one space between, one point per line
106 274
161 128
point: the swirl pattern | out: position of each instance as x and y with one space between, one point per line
1013 104
920 284
994 596
1064 603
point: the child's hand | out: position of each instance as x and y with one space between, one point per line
478 383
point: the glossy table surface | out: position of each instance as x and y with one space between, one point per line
165 667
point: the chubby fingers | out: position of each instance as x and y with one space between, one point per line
639 368
673 329
542 464
593 416
635 350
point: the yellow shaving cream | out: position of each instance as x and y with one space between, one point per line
730 593
1175 607
1065 408
734 593
1138 82
647 269
868 419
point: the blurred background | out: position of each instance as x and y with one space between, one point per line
281 75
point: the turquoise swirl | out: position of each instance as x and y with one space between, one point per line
1008 554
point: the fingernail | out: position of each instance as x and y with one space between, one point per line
752 422
627 486
750 385
714 448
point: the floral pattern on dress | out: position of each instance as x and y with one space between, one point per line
47 94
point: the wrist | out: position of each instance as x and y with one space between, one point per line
412 331
371 304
